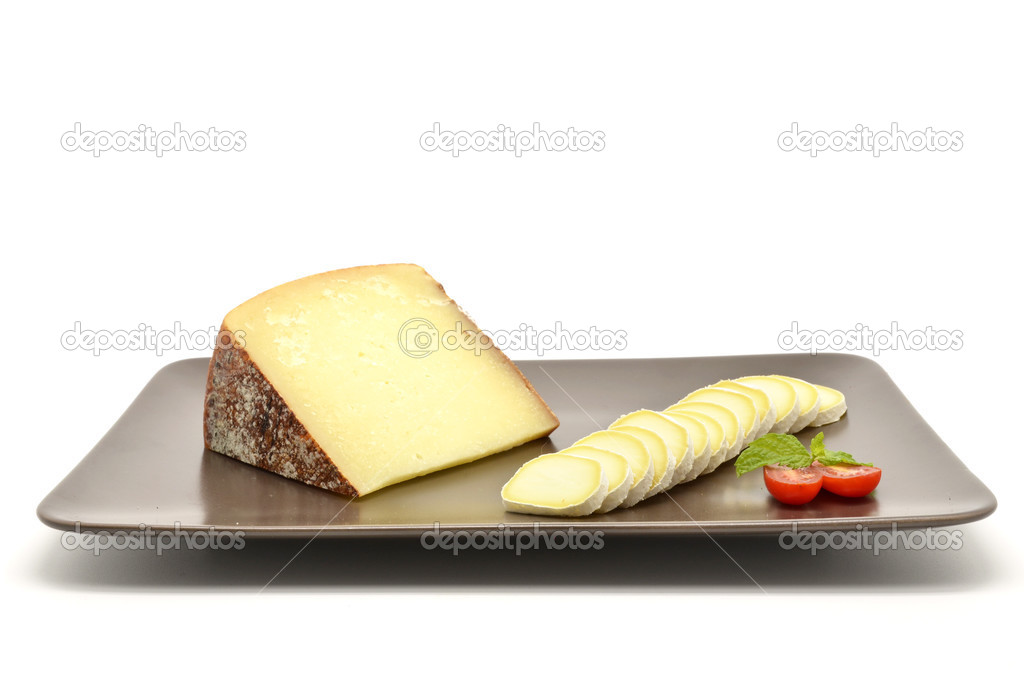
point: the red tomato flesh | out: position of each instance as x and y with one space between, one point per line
850 481
793 485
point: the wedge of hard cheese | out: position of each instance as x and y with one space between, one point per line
345 381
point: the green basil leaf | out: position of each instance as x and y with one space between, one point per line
818 446
773 448
827 457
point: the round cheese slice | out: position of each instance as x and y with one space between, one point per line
718 446
698 433
741 404
784 398
664 462
766 413
833 406
615 466
726 418
810 402
556 485
635 453
674 435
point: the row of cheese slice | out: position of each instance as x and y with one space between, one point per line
647 452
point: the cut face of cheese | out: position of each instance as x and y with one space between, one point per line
615 467
664 462
784 398
635 452
725 417
833 406
741 405
699 438
674 435
765 406
810 402
718 446
556 485
343 380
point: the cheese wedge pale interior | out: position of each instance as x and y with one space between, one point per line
326 383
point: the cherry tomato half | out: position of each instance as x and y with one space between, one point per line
850 481
793 485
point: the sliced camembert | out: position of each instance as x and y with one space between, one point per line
784 398
833 406
765 405
662 458
698 433
615 467
726 418
674 435
741 405
556 485
810 402
636 455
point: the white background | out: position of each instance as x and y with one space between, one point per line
691 230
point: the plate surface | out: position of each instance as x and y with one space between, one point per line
151 468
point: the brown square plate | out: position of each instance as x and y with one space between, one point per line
151 468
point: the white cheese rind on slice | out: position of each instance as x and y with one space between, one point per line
718 446
699 438
741 404
636 454
765 405
832 406
674 435
810 402
664 461
616 468
556 485
784 397
727 420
